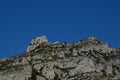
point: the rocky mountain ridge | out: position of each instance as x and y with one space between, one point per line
89 59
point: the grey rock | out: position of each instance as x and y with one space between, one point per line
36 42
89 59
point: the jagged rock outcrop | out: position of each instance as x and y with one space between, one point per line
89 59
36 42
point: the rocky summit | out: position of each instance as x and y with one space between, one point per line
36 42
88 59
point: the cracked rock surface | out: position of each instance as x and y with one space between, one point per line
89 59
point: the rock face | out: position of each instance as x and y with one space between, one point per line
36 42
89 59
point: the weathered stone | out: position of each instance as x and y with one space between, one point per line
89 59
36 42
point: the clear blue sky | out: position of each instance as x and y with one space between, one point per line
60 20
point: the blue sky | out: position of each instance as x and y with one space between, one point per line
63 20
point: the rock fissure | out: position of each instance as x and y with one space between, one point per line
89 59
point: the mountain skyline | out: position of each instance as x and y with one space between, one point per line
64 21
88 59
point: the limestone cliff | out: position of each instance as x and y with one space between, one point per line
89 59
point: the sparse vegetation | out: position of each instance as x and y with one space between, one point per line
68 67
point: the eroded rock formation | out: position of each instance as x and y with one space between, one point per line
89 59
